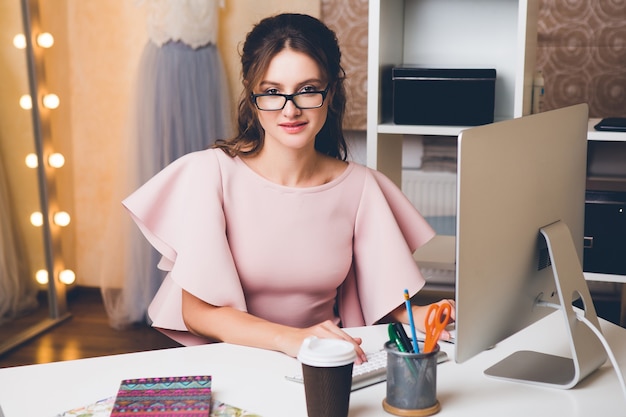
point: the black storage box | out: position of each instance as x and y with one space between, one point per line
605 232
456 97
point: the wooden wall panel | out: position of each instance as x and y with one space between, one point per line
348 18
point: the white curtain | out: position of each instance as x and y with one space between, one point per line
17 287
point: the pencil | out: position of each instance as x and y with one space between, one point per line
409 311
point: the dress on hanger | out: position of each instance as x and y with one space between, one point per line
182 105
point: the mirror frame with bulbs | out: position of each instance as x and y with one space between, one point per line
57 297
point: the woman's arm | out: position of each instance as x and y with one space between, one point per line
233 326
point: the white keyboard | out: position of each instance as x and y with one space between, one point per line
371 372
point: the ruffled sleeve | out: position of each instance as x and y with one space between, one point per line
388 230
180 213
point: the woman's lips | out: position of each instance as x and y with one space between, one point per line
293 127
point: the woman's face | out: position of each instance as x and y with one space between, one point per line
291 72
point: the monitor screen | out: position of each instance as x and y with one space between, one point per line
520 205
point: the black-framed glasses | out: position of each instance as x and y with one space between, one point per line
304 100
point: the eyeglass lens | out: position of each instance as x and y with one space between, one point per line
301 100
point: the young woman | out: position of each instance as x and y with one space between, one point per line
272 236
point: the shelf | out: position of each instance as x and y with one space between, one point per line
460 34
604 136
616 184
594 276
446 34
394 129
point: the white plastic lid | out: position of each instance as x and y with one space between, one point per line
326 352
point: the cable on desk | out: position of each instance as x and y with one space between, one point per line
580 316
607 347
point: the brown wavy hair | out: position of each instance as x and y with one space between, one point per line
301 33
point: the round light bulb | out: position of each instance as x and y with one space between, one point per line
31 160
45 40
51 101
36 219
25 102
67 276
56 160
41 276
19 41
61 218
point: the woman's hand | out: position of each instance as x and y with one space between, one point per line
234 326
419 315
292 339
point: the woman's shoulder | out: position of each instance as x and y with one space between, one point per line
205 157
368 174
377 176
207 164
375 182
351 173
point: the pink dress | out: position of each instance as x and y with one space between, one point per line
341 251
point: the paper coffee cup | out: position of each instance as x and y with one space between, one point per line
327 372
326 352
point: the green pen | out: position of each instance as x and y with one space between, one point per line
397 340
395 337
404 338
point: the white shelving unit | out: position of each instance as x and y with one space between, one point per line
594 135
500 34
608 137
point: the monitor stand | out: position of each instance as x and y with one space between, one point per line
588 353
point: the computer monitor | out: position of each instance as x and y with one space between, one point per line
519 242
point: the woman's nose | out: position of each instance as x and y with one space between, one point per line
290 108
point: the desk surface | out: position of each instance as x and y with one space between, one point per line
254 379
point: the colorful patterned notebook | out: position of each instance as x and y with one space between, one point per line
187 396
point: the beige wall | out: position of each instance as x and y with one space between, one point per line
99 44
349 20
105 40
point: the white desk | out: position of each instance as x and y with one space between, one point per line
253 379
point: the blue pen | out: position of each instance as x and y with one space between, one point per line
409 311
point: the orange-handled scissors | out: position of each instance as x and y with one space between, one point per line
437 318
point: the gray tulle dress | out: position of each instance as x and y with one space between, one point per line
182 106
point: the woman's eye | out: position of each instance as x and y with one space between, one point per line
308 89
271 91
